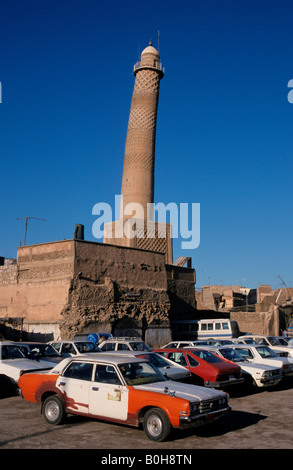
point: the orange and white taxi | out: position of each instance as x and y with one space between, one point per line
121 389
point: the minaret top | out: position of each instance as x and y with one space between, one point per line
150 50
150 59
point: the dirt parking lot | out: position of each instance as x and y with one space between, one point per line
261 420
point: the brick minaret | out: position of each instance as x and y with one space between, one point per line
139 162
139 158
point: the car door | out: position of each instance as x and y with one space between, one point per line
75 384
108 395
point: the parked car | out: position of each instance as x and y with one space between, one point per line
72 348
40 351
121 389
207 369
243 340
13 362
168 368
183 344
124 344
273 343
257 375
218 342
264 355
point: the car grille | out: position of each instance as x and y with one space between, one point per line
208 406
276 372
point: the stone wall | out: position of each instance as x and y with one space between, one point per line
74 286
259 323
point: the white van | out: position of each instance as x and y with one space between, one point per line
202 329
217 328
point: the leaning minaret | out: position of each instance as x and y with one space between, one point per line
137 188
139 157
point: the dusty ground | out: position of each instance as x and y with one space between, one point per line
261 420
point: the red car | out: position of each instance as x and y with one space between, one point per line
206 368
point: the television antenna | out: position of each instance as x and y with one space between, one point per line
26 224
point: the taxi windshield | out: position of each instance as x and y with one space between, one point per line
139 373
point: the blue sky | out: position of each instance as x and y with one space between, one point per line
224 130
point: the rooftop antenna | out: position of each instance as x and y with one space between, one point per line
286 288
26 224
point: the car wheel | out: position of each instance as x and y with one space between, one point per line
53 410
156 425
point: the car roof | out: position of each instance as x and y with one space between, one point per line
102 358
20 343
128 352
6 342
69 341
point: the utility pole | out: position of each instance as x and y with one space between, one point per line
26 224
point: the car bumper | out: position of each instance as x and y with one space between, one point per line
198 420
271 380
288 371
224 383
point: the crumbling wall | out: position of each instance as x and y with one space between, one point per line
104 308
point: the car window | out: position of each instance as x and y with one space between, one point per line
163 353
231 355
207 356
11 352
106 374
192 361
108 347
139 346
123 347
139 373
178 357
155 359
79 370
246 353
68 348
86 347
57 346
261 341
265 352
43 350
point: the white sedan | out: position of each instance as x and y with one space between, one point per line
13 362
272 342
264 355
68 348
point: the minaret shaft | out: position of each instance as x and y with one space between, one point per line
139 158
136 228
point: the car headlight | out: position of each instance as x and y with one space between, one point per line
267 373
194 408
223 401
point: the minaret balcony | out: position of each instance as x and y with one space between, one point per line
158 66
